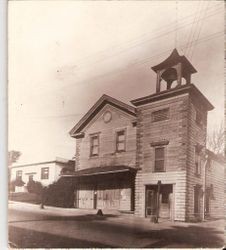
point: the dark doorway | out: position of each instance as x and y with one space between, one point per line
165 197
95 199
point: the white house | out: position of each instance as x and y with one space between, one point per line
44 172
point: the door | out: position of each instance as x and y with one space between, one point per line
95 199
151 202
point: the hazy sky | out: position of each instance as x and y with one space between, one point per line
63 55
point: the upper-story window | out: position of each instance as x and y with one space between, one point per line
45 173
198 118
197 162
160 115
94 145
159 159
121 141
19 174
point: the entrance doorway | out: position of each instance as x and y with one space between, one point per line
165 196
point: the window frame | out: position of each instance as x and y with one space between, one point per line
92 136
198 163
199 118
117 141
160 159
43 174
156 111
19 176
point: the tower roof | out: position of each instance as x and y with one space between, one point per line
173 59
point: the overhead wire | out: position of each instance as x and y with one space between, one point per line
196 27
164 28
200 28
146 60
143 42
192 28
140 63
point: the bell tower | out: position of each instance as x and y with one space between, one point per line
172 69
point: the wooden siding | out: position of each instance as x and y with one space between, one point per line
107 136
196 135
177 178
215 177
173 130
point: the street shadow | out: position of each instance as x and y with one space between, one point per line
186 235
24 238
190 236
83 218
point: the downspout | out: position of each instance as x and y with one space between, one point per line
204 188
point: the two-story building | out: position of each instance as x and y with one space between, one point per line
151 157
45 172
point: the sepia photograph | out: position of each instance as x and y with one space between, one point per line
116 124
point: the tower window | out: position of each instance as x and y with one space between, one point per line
160 115
159 159
197 162
199 118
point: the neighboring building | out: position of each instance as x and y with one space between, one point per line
44 172
151 159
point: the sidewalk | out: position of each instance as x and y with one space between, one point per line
109 215
64 227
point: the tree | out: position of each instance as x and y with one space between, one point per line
215 140
13 156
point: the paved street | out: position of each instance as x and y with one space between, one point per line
30 227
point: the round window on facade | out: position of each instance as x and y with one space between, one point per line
107 116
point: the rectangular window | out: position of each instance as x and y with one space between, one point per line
45 173
197 200
198 118
160 115
121 141
94 145
197 162
19 174
159 159
30 178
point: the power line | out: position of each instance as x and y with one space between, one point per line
192 27
166 27
140 63
206 38
145 41
200 28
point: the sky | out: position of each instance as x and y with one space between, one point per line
64 55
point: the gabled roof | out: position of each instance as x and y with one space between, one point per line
105 99
173 59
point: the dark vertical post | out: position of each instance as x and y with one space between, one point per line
179 73
158 194
158 82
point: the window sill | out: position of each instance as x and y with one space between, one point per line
120 151
93 156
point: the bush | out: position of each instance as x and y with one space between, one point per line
15 183
60 193
34 187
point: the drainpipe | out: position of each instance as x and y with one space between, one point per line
204 188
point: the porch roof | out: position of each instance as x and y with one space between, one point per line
100 170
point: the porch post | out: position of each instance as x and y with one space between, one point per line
158 194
